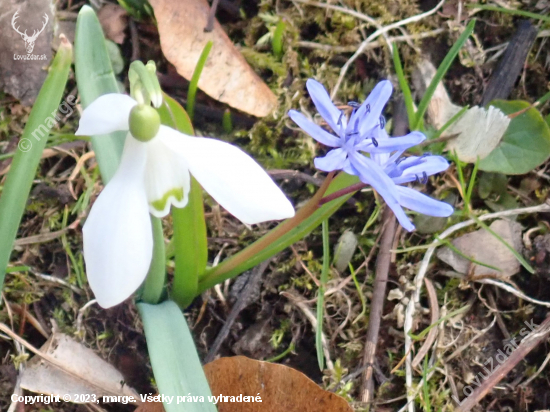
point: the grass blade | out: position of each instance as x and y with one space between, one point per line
321 297
27 158
193 86
404 85
441 71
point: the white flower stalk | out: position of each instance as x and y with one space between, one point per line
154 173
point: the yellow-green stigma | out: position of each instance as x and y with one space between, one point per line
144 122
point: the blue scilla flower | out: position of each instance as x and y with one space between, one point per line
385 169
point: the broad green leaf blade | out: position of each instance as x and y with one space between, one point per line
251 256
95 77
27 156
173 115
190 244
525 144
176 365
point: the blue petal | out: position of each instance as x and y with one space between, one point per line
415 166
387 145
334 160
414 200
371 173
371 109
325 107
315 131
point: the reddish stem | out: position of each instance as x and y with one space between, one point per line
342 192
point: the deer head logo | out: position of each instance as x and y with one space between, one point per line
29 40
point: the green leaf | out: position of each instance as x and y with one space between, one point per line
194 84
404 85
271 244
95 77
321 296
27 156
190 243
525 144
176 364
440 73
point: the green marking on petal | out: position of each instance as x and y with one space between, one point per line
160 204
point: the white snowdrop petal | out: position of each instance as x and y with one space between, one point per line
231 177
118 240
106 114
167 179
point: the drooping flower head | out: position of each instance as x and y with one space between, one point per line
154 173
385 170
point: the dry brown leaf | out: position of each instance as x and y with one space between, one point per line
150 407
113 19
281 388
226 77
486 248
84 371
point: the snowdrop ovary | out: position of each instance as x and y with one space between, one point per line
144 122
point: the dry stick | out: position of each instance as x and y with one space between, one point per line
242 300
211 16
377 303
526 346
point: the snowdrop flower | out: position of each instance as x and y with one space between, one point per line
154 173
385 169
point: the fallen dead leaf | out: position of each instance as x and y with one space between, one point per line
83 371
150 407
281 388
484 247
114 21
226 77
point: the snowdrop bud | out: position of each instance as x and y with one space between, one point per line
144 122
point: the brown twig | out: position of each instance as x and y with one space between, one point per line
211 16
242 300
526 346
377 303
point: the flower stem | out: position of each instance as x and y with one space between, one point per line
154 282
342 192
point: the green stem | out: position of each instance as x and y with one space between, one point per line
154 282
